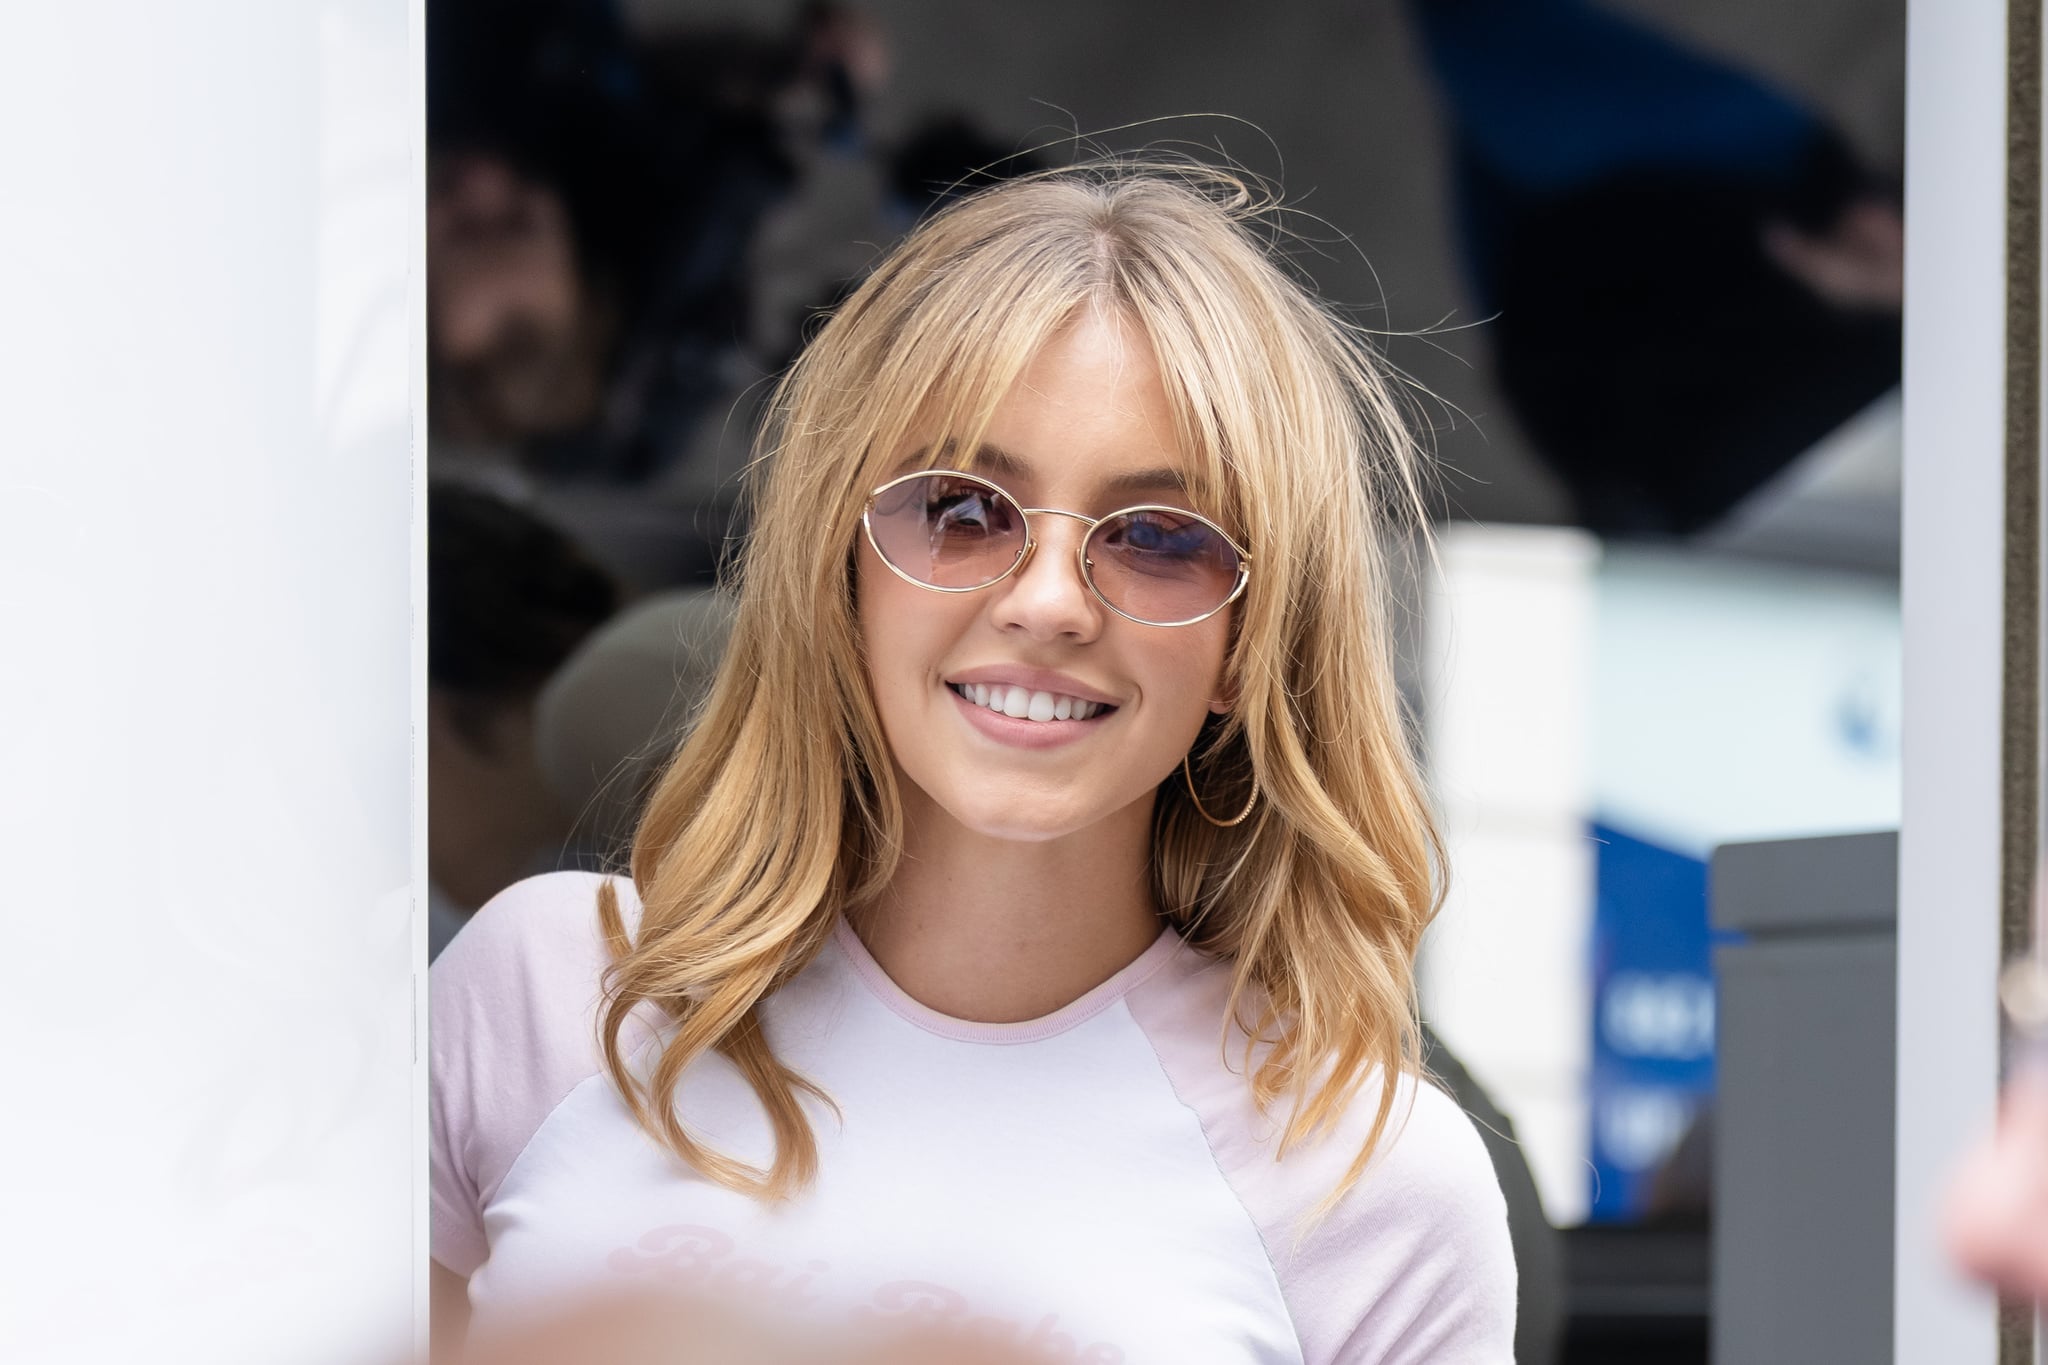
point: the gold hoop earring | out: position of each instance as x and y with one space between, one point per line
1188 773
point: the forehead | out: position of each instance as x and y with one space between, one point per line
1139 478
1087 415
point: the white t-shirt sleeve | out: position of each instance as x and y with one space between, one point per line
1413 1264
511 1031
1417 1257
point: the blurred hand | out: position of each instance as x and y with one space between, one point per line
651 1330
1858 263
1997 1217
849 39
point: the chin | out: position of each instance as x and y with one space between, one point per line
1022 820
1021 827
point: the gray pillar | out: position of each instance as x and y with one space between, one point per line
1803 1135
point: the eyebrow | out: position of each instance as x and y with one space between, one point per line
994 460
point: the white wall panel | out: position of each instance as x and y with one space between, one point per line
209 254
1952 542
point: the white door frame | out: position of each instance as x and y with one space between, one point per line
1971 769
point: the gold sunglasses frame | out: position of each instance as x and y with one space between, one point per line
1085 565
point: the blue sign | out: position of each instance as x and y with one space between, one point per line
1653 1018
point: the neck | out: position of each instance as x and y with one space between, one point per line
998 931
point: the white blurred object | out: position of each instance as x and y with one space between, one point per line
210 258
1505 975
1741 700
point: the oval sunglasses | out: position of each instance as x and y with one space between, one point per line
1152 564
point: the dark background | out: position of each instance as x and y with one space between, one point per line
1334 102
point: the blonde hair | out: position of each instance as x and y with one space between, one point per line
780 810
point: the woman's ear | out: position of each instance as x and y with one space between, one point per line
1226 699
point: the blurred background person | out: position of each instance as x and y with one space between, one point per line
1688 276
594 200
509 598
586 232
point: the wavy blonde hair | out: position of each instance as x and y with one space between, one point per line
780 811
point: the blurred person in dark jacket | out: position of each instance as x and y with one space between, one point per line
1689 276
510 597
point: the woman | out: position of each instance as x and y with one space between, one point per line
1023 939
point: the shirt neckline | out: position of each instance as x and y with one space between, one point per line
1068 1016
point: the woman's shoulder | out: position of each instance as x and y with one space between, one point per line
524 978
1431 1183
1185 1013
1413 1254
512 1006
1414 1261
1431 1146
540 936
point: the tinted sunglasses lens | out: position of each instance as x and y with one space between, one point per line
1163 567
947 531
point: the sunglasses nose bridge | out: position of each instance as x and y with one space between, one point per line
1081 517
1088 525
1031 514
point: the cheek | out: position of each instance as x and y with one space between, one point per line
1189 679
1213 650
875 619
878 604
903 629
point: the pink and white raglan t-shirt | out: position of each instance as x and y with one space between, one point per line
1095 1186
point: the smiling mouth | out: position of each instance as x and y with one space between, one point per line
1021 703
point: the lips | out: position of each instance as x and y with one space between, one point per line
1024 703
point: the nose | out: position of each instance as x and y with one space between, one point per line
1047 597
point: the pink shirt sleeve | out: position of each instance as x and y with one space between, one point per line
1414 1264
512 1030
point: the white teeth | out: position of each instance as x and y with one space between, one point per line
1023 704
